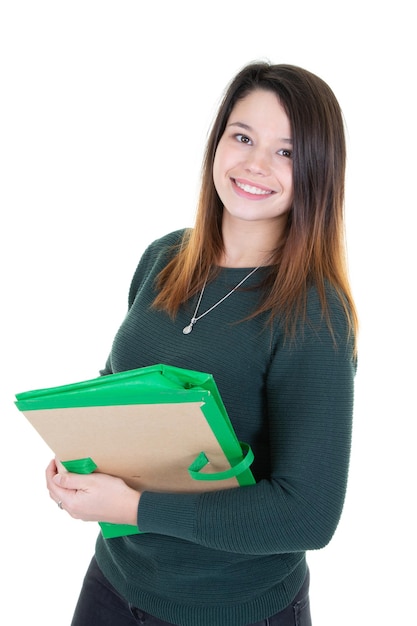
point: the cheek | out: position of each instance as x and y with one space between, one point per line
287 177
225 164
217 170
290 182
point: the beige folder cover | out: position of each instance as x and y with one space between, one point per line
150 446
148 426
160 428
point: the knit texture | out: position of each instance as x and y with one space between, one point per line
237 556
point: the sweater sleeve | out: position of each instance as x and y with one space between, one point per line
309 404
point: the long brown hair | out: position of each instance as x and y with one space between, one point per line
313 249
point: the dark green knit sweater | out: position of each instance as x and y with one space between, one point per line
234 557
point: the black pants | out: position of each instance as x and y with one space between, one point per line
100 604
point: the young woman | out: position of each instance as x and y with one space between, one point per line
256 294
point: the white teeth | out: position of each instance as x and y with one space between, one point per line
254 190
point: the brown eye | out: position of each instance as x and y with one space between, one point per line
242 138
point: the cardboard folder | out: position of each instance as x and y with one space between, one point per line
160 428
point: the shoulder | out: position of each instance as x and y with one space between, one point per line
155 257
161 250
323 343
327 319
167 244
329 301
171 238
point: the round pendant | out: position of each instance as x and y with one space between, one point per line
187 329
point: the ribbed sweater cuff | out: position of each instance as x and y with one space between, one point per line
168 514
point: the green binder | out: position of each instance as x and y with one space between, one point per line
160 428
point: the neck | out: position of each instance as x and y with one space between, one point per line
248 244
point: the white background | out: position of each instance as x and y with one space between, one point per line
104 112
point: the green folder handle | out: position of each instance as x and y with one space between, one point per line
80 466
201 461
109 530
87 466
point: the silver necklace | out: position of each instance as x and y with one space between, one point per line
187 329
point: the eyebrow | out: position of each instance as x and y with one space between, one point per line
249 128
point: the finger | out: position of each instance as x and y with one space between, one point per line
59 467
51 470
68 480
55 493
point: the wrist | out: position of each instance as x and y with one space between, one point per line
132 504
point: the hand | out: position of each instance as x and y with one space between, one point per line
92 497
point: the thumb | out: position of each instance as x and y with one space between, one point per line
67 480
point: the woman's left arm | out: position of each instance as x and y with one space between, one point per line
309 400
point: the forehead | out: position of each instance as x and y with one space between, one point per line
260 108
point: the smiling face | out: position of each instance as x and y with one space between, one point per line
252 169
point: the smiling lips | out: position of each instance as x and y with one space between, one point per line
250 189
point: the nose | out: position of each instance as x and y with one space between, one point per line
258 161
